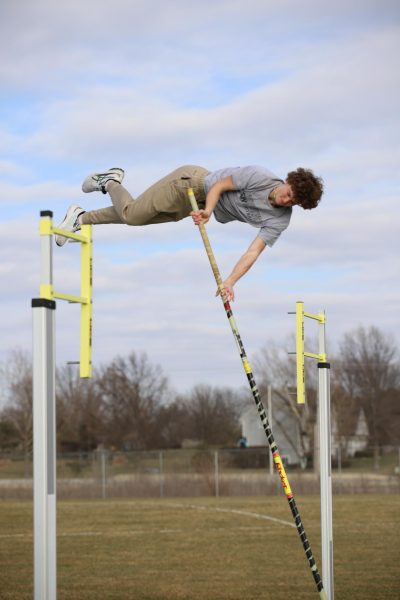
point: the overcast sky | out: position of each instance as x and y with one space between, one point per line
149 86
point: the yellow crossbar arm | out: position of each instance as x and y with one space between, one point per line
71 235
70 298
319 357
320 318
312 355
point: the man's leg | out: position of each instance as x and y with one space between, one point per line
163 202
100 216
111 214
167 200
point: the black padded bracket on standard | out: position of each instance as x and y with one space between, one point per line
43 303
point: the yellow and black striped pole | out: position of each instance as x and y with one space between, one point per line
261 411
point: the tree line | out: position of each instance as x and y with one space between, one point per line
130 405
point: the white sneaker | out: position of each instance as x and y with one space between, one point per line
69 223
96 181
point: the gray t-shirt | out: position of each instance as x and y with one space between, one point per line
249 203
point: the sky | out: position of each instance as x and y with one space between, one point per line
149 86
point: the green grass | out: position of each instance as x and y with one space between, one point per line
167 549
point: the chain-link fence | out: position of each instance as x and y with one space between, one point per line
199 472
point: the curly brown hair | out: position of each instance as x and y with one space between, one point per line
307 188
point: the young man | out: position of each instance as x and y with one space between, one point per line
250 194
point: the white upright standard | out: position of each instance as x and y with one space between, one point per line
324 431
44 450
324 425
44 432
44 405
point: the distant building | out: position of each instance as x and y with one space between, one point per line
286 432
285 429
357 434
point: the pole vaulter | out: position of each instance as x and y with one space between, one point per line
261 411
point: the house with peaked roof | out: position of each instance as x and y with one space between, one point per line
357 433
286 430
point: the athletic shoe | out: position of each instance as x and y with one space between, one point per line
69 223
96 182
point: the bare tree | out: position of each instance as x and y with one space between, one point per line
16 375
213 414
128 403
174 424
80 412
132 390
370 378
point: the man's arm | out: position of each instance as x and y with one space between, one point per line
242 266
223 185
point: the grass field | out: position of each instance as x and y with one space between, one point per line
205 549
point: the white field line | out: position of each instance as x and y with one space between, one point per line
146 531
234 511
129 533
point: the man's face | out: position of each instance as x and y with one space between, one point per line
284 196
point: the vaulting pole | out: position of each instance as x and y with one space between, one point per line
260 407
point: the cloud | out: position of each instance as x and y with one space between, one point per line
281 84
324 111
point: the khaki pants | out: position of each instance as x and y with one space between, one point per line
165 201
